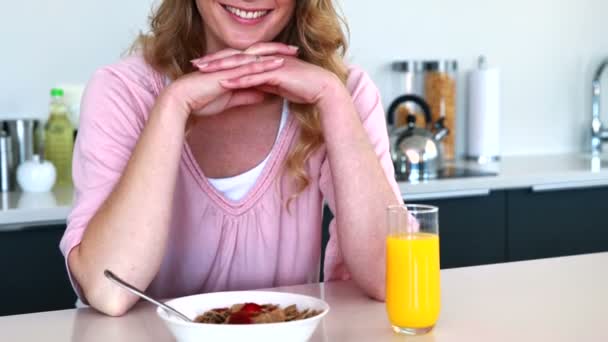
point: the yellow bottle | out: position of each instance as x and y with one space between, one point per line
412 280
59 138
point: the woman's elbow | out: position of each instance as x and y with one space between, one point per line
377 292
375 289
97 290
111 303
115 307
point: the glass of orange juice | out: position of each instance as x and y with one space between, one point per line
412 268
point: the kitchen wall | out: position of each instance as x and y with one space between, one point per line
545 48
45 43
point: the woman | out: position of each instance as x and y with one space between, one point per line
202 162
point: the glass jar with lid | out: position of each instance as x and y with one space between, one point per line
411 82
440 94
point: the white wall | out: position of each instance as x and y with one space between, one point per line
545 48
44 43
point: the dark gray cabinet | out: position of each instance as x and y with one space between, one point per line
518 224
33 272
557 223
472 230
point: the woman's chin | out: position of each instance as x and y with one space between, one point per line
243 43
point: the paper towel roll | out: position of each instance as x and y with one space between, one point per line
483 134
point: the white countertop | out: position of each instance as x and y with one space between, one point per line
20 209
539 173
557 300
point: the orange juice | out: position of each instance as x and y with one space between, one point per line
412 280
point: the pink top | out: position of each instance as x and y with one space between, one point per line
215 244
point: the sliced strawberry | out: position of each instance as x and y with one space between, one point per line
251 308
239 318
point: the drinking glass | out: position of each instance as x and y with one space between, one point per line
412 268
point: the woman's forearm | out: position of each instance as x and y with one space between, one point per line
128 234
362 192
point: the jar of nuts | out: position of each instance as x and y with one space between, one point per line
440 93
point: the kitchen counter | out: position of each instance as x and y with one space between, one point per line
539 173
561 299
19 209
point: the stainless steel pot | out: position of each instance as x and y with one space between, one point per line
23 143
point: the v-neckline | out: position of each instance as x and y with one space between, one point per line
277 154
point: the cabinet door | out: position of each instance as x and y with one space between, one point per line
33 272
472 229
557 223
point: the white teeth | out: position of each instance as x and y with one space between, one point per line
246 14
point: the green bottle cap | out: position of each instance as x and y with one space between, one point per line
56 92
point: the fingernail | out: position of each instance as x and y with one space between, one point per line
293 47
278 61
202 65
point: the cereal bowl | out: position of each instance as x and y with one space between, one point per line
193 306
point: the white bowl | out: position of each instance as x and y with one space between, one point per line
193 306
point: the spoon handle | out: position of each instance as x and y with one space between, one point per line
142 295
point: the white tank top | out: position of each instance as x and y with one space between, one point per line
238 186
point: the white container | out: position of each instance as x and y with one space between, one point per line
193 306
36 175
483 133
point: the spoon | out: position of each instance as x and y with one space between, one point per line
142 295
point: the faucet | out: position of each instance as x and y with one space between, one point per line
599 134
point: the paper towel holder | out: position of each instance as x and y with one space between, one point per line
483 114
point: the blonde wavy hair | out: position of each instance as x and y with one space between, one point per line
176 37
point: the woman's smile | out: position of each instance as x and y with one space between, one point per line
246 16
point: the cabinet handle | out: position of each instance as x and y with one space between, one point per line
446 194
568 185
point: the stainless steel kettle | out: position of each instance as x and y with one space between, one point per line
415 151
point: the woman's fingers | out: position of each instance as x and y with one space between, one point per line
234 61
272 49
266 82
199 87
229 100
214 56
259 67
251 81
260 49
270 89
